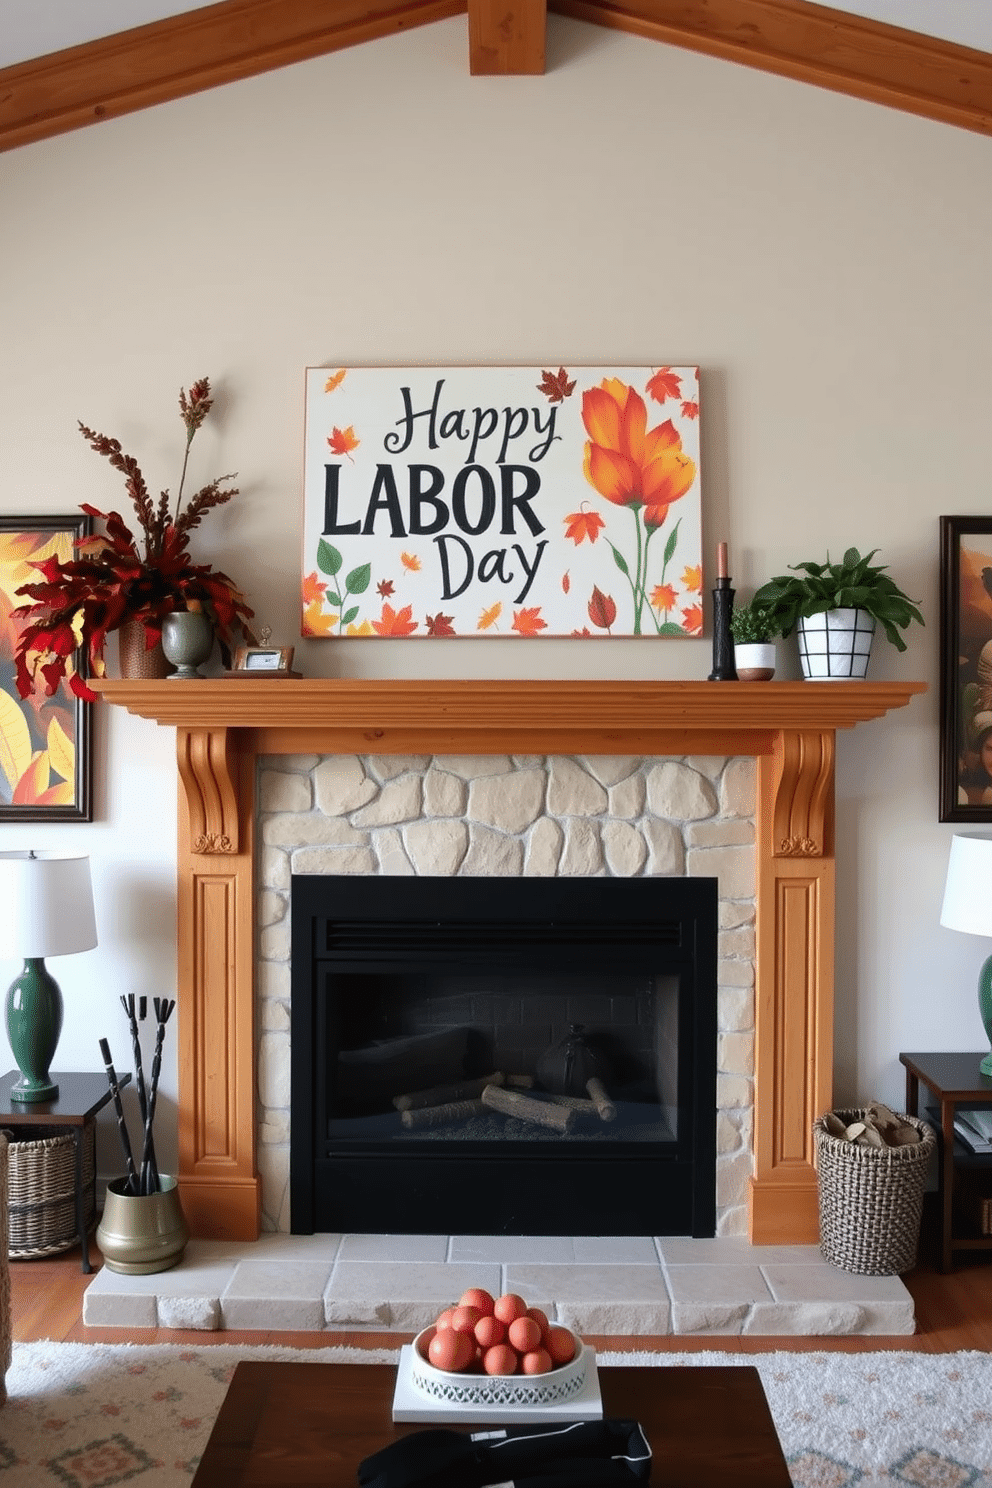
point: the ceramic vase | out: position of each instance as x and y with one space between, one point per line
754 661
142 1233
835 645
187 640
137 663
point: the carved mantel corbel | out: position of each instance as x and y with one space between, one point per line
205 760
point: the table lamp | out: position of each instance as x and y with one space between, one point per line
968 906
46 909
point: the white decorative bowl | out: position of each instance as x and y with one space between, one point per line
496 1389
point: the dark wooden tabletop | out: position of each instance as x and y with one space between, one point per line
951 1076
309 1425
80 1096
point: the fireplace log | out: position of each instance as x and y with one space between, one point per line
444 1115
543 1113
439 1095
597 1094
580 1104
520 1082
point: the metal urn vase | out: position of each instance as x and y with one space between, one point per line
187 640
142 1233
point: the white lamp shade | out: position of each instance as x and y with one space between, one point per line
46 905
968 888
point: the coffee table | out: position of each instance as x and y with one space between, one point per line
286 1425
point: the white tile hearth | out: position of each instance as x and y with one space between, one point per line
596 1286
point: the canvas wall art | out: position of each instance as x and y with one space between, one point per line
966 669
502 501
45 742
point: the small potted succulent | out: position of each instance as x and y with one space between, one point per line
754 630
834 608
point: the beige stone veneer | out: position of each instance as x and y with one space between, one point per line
511 816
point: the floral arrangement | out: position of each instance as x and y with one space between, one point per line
109 581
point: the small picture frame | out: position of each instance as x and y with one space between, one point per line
966 669
264 661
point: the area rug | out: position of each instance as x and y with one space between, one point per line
83 1415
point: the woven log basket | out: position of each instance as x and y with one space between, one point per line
871 1198
42 1194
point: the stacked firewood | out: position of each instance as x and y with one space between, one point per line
510 1095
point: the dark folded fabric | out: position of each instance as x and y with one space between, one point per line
573 1454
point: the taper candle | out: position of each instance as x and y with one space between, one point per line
721 560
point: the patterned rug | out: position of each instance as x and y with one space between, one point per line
83 1415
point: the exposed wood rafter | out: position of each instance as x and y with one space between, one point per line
238 38
506 37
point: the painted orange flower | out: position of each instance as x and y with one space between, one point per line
625 461
663 597
692 578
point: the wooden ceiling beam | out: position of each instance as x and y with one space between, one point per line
506 37
816 44
187 53
238 38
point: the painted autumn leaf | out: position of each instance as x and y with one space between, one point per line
316 620
585 631
690 410
692 578
365 629
15 739
528 622
343 441
395 622
582 525
602 609
556 386
692 619
566 582
440 625
312 589
385 588
663 597
664 384
335 382
489 617
61 751
34 781
410 562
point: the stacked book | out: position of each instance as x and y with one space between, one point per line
975 1129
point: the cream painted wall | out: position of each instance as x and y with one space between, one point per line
824 261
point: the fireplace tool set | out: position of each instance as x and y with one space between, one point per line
142 1177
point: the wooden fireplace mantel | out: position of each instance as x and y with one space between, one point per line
223 724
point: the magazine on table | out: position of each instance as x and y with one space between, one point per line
975 1129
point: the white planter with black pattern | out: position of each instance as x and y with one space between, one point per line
835 644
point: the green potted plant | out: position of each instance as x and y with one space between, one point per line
834 608
753 630
113 584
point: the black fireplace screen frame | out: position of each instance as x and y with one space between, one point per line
343 925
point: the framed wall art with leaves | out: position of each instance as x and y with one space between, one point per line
502 501
46 768
966 669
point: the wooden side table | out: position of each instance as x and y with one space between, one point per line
955 1080
80 1097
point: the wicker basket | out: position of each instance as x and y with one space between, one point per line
871 1198
42 1192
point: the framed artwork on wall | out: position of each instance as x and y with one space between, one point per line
502 501
46 767
966 669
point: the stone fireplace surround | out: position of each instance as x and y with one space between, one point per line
224 725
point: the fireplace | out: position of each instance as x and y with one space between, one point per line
503 1055
222 727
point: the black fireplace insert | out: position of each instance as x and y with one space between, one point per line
503 1056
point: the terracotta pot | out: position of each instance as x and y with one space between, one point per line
142 1233
137 662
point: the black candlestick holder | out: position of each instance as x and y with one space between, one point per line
723 643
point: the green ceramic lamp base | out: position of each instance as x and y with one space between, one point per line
34 1022
985 1009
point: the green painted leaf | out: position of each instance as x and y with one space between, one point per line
620 561
672 541
329 560
349 615
359 579
669 628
